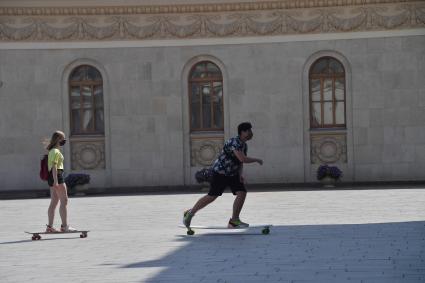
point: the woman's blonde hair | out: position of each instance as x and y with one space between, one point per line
55 139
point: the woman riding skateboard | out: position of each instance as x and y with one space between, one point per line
58 190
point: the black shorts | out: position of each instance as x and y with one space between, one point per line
220 182
60 178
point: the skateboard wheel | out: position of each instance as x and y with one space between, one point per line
190 232
265 231
81 236
33 238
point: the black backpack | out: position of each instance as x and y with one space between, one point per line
204 175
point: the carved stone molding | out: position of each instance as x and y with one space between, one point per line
134 23
204 150
328 148
87 155
186 8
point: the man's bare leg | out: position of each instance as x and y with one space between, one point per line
238 204
202 202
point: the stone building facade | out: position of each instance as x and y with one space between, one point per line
148 91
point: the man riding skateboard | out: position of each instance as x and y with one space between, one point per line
227 172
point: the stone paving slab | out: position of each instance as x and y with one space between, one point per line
319 236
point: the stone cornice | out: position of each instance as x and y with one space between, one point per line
187 8
255 21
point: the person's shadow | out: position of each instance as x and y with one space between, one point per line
389 252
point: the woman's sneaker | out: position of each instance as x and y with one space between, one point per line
50 229
237 224
67 228
187 218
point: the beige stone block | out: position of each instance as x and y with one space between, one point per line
420 153
121 160
394 135
361 118
413 135
398 153
360 136
375 136
159 106
413 43
368 172
368 154
117 107
376 118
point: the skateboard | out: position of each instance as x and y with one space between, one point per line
36 235
265 229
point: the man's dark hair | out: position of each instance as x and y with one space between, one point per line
245 126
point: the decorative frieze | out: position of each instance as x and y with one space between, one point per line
186 8
328 148
204 150
87 154
261 19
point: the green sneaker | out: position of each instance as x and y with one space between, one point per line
237 224
187 218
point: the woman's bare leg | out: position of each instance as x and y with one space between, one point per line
54 199
61 191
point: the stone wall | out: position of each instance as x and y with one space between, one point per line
146 140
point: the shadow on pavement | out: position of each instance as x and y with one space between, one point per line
42 239
382 252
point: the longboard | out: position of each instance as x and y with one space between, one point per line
265 229
36 235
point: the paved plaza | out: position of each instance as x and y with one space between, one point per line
375 235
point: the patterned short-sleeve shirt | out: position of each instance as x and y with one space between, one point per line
227 163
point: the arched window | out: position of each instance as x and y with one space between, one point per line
206 97
327 94
86 101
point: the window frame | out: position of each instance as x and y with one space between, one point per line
94 109
322 77
208 80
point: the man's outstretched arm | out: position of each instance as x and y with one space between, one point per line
245 159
